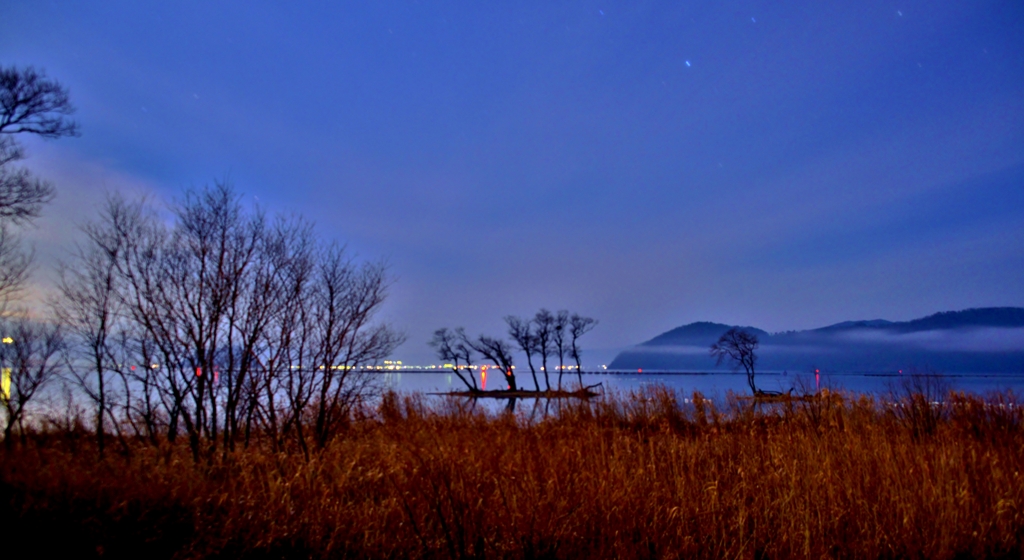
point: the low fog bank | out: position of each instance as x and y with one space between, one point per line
866 346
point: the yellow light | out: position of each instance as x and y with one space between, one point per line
8 340
5 384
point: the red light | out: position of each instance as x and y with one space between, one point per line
199 372
639 370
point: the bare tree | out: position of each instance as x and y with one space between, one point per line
560 341
151 292
280 350
29 104
281 253
499 353
286 352
544 327
148 297
131 362
183 285
738 346
239 321
521 331
88 306
94 305
579 326
346 298
546 334
453 348
29 360
22 197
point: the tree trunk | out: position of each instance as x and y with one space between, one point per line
101 439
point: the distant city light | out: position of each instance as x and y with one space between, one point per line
5 384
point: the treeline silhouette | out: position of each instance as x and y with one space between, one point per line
205 320
546 335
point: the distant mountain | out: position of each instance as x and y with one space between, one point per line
847 325
699 334
973 340
1007 317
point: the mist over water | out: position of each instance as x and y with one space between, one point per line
984 340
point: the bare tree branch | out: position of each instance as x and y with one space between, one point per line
29 102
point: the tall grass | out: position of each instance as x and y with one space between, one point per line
639 475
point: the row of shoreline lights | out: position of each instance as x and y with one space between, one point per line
397 364
389 365
393 365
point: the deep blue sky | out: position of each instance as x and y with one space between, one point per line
646 163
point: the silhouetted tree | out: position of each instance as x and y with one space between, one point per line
89 308
346 297
248 321
29 360
29 104
277 388
738 347
546 334
579 326
521 331
560 341
499 353
453 348
544 330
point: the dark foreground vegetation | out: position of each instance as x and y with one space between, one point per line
641 475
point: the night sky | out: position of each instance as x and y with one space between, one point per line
649 164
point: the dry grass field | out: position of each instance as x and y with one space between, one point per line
647 475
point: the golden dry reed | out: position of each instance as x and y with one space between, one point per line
642 475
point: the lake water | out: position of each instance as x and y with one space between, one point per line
717 385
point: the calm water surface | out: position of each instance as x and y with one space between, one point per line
717 385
